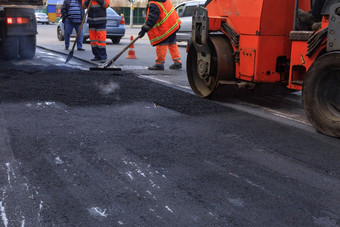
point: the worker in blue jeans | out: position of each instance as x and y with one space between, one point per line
72 15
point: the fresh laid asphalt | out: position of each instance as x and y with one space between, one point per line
89 148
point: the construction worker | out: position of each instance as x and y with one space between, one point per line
72 15
162 23
97 27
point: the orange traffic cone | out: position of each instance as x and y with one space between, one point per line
131 53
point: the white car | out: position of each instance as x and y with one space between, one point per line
185 12
42 18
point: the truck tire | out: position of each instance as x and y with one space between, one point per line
9 47
115 40
321 94
27 45
60 34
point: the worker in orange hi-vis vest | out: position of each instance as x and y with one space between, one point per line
97 27
162 23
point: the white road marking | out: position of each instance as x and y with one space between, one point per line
169 209
8 174
236 202
253 184
41 205
23 223
234 175
96 211
140 172
58 161
3 214
129 174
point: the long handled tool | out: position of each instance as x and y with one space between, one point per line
105 66
70 55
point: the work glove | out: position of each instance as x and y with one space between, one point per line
141 33
143 30
86 3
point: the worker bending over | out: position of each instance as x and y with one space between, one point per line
97 27
162 23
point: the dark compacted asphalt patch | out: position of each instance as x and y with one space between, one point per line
97 148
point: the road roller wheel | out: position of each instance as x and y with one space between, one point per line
321 94
204 72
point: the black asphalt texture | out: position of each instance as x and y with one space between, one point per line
96 148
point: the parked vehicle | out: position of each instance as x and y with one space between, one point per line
42 18
18 28
115 27
185 12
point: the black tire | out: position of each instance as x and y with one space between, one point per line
27 46
222 67
60 34
85 39
9 47
115 40
321 94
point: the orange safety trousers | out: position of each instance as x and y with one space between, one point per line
97 37
98 41
161 50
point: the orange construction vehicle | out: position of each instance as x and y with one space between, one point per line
247 42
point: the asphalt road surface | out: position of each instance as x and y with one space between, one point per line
276 101
97 148
87 148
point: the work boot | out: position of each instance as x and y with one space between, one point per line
307 17
316 26
156 67
176 65
95 59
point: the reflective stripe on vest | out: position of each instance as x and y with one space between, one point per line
167 23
